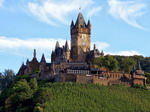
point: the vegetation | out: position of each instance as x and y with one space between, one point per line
33 96
6 78
124 63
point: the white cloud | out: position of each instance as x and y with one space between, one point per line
1 3
24 47
39 43
124 53
94 11
127 11
54 12
100 45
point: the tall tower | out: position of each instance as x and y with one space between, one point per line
80 39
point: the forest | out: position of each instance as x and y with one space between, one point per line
30 95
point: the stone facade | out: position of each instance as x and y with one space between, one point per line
73 64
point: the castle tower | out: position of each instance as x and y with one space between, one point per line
80 39
138 76
66 51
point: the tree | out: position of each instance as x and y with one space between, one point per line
111 63
33 84
127 64
38 109
42 95
148 77
20 96
6 78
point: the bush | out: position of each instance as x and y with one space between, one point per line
42 95
26 77
139 86
38 109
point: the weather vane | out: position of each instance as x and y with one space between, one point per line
80 8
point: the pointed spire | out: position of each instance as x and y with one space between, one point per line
134 69
102 53
22 64
27 61
89 24
72 24
43 58
94 47
57 45
66 47
80 21
138 65
34 54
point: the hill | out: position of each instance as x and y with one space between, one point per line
27 95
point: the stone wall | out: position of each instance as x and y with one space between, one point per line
101 81
84 79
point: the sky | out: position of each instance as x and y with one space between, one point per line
119 27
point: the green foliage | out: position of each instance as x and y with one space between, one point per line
6 78
38 109
108 62
22 90
73 97
42 95
148 78
127 64
26 77
33 84
89 97
139 86
122 63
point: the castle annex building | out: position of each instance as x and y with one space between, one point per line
74 64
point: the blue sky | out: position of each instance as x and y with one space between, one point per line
119 27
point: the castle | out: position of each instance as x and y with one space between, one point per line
74 64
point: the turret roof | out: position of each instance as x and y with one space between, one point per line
80 20
43 58
66 49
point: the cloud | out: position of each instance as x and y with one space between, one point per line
94 11
127 11
125 53
53 12
39 43
24 47
1 3
100 45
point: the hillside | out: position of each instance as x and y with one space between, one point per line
25 96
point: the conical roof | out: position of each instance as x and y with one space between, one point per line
80 21
27 61
72 23
66 49
43 58
89 23
57 45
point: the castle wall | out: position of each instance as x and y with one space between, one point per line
84 79
69 77
100 81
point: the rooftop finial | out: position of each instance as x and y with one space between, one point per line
34 54
80 9
94 47
138 65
